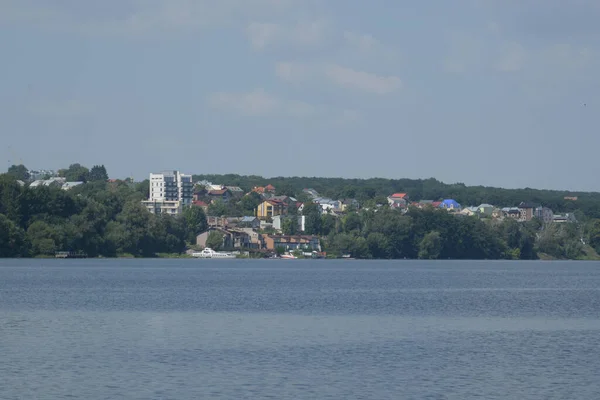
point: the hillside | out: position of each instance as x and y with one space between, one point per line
587 203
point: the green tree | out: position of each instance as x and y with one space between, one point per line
431 246
312 213
19 172
195 222
217 209
214 240
329 224
289 226
352 222
13 242
249 203
593 233
75 173
98 173
43 237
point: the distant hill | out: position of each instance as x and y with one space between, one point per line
587 203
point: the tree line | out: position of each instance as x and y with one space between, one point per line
107 219
99 218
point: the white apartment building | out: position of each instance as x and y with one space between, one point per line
170 191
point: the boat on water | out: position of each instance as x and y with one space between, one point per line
288 256
210 253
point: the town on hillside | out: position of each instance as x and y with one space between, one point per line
171 191
77 209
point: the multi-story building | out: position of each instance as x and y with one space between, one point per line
170 191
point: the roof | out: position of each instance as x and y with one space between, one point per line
217 192
269 187
199 203
485 205
436 203
248 219
527 204
449 203
235 188
399 195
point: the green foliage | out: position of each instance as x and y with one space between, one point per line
561 241
98 173
431 246
214 240
313 223
96 218
75 173
13 241
217 209
289 226
19 172
194 221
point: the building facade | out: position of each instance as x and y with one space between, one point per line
170 191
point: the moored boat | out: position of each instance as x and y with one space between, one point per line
210 253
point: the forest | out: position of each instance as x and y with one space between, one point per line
104 218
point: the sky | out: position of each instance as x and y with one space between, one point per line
483 92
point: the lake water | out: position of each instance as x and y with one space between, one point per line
299 329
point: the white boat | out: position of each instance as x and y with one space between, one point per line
210 253
288 256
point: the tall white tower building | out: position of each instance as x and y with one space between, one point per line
169 192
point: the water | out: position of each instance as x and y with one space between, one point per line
294 329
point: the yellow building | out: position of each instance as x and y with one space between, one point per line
271 208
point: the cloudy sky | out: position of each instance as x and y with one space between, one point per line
493 92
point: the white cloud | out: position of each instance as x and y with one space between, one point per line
368 82
260 103
338 75
262 35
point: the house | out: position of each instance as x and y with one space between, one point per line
201 204
249 222
292 242
256 239
571 198
497 213
235 191
232 238
70 185
450 204
217 221
222 194
311 192
470 211
349 204
327 205
544 214
512 212
398 200
270 208
566 218
486 209
527 210
54 182
269 188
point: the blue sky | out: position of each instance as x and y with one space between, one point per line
492 92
